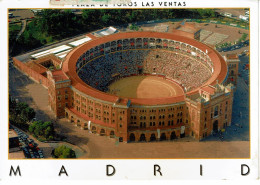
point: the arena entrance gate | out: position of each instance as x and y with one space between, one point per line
215 126
152 138
132 137
140 71
163 137
102 132
94 130
182 132
142 137
78 123
112 134
173 135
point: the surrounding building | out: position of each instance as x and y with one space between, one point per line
13 141
185 29
15 151
232 61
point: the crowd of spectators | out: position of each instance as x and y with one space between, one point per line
186 70
100 72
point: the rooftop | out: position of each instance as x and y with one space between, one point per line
59 75
36 67
232 56
186 27
209 89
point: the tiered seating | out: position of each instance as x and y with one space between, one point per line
103 70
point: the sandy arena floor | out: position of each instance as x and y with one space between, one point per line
145 87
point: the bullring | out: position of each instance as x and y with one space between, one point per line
80 90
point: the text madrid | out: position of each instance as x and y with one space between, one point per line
111 170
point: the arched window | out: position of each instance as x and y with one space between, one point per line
216 111
152 138
142 137
163 137
112 133
102 132
132 137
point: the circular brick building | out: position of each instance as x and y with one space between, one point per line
179 87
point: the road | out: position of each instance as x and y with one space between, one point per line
24 23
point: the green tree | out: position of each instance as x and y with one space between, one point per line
64 152
205 13
106 19
42 130
28 113
244 36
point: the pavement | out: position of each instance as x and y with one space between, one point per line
19 14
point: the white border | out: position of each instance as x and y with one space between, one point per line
133 169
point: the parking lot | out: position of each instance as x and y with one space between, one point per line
20 14
28 145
